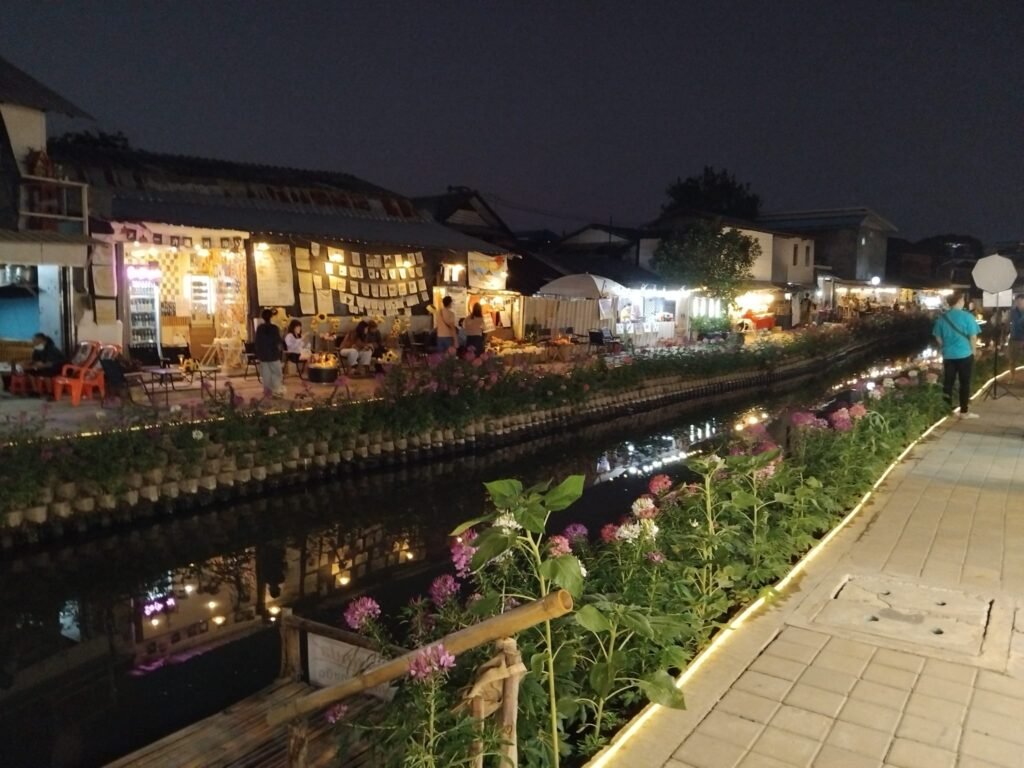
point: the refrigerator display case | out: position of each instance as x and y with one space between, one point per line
144 309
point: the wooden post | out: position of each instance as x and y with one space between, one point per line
298 743
510 700
291 646
504 625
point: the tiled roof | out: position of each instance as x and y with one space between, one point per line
44 237
20 88
830 218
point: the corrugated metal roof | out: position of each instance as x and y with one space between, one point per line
44 238
415 233
20 88
824 219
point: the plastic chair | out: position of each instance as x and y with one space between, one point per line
20 384
73 375
251 361
94 381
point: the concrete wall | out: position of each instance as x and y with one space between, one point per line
762 268
19 318
872 245
593 237
26 129
783 269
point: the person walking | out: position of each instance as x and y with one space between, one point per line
268 346
955 330
1016 345
444 324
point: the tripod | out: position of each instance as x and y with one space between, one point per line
997 390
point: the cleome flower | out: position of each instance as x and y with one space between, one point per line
644 508
576 532
610 533
655 557
443 589
197 434
361 612
559 545
462 550
336 713
430 661
660 484
507 522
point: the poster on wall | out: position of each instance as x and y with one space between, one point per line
487 272
104 279
332 662
275 279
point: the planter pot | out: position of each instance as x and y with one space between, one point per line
293 453
375 449
214 451
321 447
226 478
333 458
66 491
85 504
448 435
436 436
149 492
213 466
44 495
154 476
208 482
36 515
61 509
228 464
243 475
291 465
308 450
189 485
17 517
362 439
275 468
131 497
173 472
402 444
170 490
348 454
107 501
259 473
245 461
362 451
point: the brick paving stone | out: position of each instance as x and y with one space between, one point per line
840 662
899 660
916 728
993 724
802 722
914 754
755 760
792 651
702 751
748 706
939 710
787 747
778 667
997 683
876 693
763 685
828 679
998 703
731 728
804 637
992 750
857 738
815 699
870 715
891 676
957 673
943 689
834 757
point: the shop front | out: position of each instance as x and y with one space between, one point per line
482 282
854 299
650 316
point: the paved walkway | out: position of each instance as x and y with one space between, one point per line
901 644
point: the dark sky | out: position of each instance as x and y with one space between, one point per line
585 108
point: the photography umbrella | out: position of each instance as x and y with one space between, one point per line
995 274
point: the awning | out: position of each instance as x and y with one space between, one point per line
44 248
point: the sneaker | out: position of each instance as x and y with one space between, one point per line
969 415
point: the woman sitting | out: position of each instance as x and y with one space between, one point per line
295 348
356 347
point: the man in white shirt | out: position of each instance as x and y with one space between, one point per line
444 324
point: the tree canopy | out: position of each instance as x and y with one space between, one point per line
706 255
713 191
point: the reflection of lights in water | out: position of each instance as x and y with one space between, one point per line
344 579
634 471
629 448
212 604
155 622
218 620
409 556
189 589
274 610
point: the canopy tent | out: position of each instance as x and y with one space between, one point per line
582 286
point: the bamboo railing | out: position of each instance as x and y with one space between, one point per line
505 625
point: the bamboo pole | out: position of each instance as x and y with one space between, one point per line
291 650
525 616
510 702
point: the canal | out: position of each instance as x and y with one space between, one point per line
112 641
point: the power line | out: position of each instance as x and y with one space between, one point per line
562 215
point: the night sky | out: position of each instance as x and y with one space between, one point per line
583 109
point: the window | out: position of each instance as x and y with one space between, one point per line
796 254
807 255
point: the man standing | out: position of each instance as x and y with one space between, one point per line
1016 346
444 323
268 346
955 331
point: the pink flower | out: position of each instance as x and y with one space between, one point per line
858 411
608 533
802 419
443 589
430 661
336 713
931 377
462 552
586 387
558 546
361 612
840 420
655 557
660 484
576 532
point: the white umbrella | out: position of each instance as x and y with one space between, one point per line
582 286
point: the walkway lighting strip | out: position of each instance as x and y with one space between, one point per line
605 758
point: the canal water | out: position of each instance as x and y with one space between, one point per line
110 642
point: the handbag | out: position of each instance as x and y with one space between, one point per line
951 324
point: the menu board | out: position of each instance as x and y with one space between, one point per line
275 280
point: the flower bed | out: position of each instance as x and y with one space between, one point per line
651 589
450 406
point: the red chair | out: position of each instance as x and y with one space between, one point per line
95 381
21 384
72 376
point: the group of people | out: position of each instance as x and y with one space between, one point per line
467 333
46 360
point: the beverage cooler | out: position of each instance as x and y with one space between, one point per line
144 311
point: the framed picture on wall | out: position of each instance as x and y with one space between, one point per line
175 241
207 242
225 242
186 242
158 239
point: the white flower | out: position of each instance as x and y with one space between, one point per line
649 530
888 383
913 374
643 504
507 522
197 434
628 532
174 409
694 524
583 570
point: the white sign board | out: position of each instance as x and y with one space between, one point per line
1002 299
332 662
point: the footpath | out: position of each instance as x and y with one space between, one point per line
900 642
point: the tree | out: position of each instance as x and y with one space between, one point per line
706 255
715 192
98 140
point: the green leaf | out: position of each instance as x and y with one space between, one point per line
675 656
568 708
489 545
565 493
463 527
638 623
533 517
504 493
785 498
537 663
602 678
590 618
565 572
660 688
744 499
486 606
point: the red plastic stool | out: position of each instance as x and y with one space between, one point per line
19 384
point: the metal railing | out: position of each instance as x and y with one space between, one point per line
52 204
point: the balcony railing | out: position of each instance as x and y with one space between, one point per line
53 205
